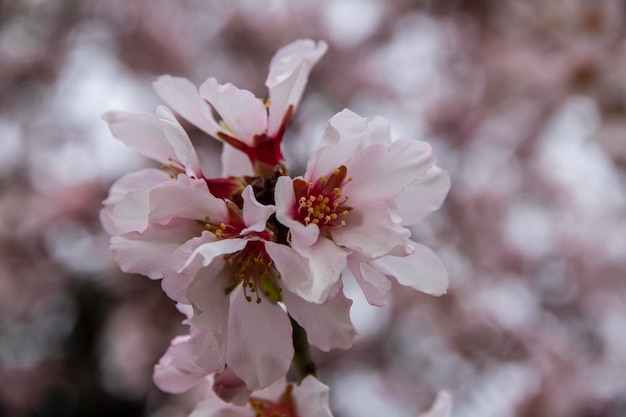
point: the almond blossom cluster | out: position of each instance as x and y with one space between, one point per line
256 256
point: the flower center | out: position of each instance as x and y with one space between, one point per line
322 202
255 271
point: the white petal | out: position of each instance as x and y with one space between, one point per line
327 325
135 181
255 214
131 213
293 268
235 163
149 252
207 294
186 197
183 97
326 262
381 172
288 76
422 270
177 279
372 232
143 132
209 251
184 150
423 197
374 284
118 222
312 398
259 341
187 361
242 113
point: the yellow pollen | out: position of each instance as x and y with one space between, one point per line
333 216
335 204
337 190
343 222
320 197
328 218
268 103
336 172
323 180
345 212
311 185
315 221
349 179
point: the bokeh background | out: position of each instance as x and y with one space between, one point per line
524 103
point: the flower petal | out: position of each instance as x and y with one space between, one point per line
207 294
149 252
312 398
180 143
422 270
255 214
230 388
183 97
381 172
177 279
289 72
293 268
259 341
143 132
188 198
372 232
326 262
374 284
235 163
183 365
327 325
242 113
136 181
423 197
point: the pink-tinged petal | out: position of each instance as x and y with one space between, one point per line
381 172
301 235
186 197
423 197
259 341
131 213
183 365
230 388
147 253
272 392
347 129
209 251
143 132
374 284
372 232
176 280
289 72
207 293
442 406
422 270
242 113
327 325
312 398
235 163
341 140
181 144
183 97
326 262
255 214
378 132
136 181
292 267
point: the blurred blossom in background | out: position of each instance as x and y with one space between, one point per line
524 103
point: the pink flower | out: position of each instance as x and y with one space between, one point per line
308 399
246 123
351 200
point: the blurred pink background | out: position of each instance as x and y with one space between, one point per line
523 102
